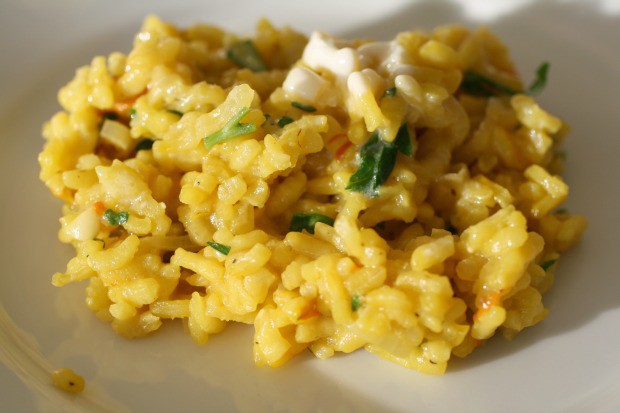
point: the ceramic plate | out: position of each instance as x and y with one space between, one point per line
568 363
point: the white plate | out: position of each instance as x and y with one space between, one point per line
568 363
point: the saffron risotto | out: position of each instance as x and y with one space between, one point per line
399 196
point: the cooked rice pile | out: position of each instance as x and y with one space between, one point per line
335 194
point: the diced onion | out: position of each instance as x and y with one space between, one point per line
85 226
116 134
322 53
305 85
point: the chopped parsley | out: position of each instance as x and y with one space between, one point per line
548 264
560 154
300 222
110 115
245 54
285 120
476 84
541 80
390 92
224 249
231 130
115 218
378 160
144 145
175 112
133 113
304 107
356 302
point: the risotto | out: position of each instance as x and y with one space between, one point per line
398 196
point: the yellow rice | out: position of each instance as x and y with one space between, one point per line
461 240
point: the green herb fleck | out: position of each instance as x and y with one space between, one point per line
175 112
560 154
304 107
110 115
390 92
300 222
267 119
356 302
133 113
224 249
231 130
403 142
107 116
548 264
284 120
245 54
115 218
541 80
144 145
478 85
378 160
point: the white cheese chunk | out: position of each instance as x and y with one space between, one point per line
322 53
364 81
386 57
85 226
305 85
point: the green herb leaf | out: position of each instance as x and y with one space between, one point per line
110 115
403 142
356 302
378 160
115 218
478 85
304 107
560 154
300 222
245 54
107 116
175 112
144 145
133 113
231 130
224 249
267 119
541 80
285 120
548 264
390 92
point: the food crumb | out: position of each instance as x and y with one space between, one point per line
67 380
